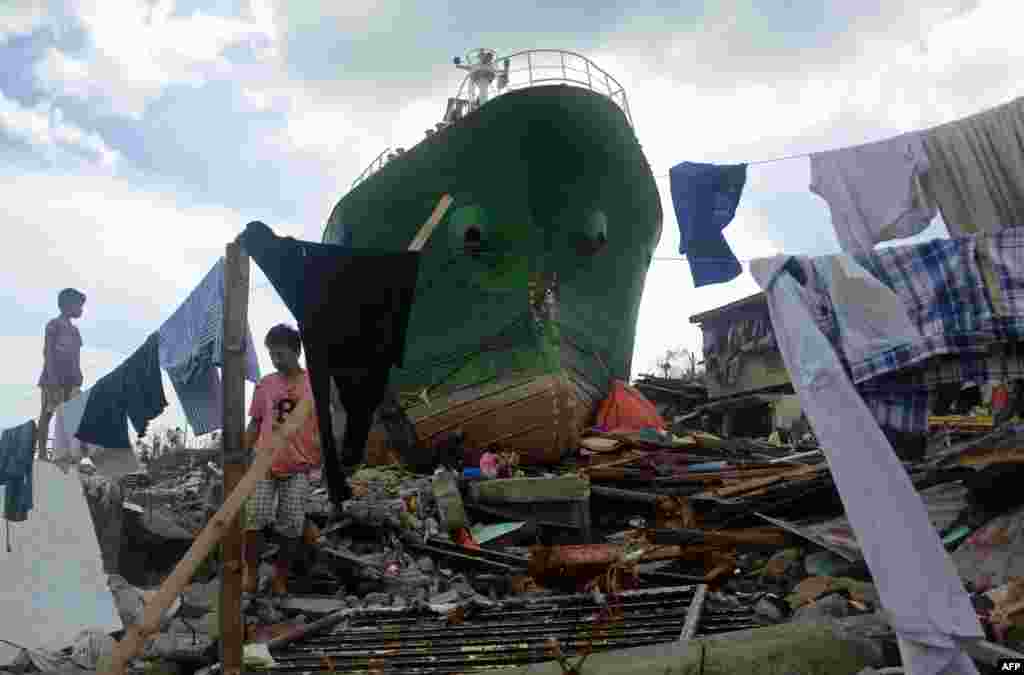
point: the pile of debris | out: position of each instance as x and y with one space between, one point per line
638 538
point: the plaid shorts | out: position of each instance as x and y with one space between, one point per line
279 501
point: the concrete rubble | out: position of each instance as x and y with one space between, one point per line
640 552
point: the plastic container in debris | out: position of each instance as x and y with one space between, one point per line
475 474
562 502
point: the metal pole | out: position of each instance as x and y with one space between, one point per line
693 614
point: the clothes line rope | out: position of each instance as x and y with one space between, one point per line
786 158
802 155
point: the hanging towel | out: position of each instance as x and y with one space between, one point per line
198 385
873 191
919 586
353 310
135 391
17 455
705 197
66 422
977 170
191 346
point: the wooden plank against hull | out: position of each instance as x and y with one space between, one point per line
420 240
135 636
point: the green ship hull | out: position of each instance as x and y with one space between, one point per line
554 182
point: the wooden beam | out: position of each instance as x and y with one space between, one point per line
236 310
427 229
135 636
226 518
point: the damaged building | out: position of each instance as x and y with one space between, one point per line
748 388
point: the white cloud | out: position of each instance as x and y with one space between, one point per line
20 397
346 136
700 96
123 247
949 66
132 252
139 49
958 67
19 393
44 128
350 18
20 17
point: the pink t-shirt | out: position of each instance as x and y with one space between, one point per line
274 399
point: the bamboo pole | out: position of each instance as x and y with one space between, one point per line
236 306
427 229
135 637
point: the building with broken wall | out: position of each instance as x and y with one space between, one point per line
748 387
750 393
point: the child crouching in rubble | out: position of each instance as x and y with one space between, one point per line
280 499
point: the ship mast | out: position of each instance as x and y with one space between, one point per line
483 69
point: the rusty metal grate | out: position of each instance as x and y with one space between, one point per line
511 633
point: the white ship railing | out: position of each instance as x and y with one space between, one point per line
535 67
532 68
375 165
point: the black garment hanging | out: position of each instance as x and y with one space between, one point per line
135 391
352 306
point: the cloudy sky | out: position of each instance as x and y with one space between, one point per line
137 138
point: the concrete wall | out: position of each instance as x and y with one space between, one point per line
787 410
757 371
53 580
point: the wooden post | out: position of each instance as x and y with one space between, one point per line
135 636
236 305
226 518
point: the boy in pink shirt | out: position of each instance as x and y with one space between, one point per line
280 499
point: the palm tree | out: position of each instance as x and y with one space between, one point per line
680 362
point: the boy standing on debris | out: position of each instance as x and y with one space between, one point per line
61 380
280 499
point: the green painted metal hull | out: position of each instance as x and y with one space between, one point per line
537 162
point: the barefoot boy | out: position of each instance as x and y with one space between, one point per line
280 499
62 372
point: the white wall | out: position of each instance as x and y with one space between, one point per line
53 585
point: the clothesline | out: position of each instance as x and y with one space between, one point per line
801 155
